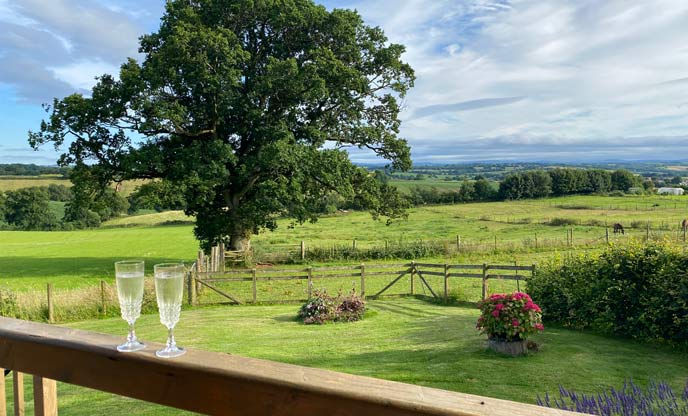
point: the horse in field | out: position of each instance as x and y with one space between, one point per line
684 224
618 228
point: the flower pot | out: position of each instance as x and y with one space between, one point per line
513 348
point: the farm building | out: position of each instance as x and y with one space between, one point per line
670 191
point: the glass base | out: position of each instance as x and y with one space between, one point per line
130 346
170 352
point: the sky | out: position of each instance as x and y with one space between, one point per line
565 81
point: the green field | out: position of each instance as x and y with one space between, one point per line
12 183
405 340
81 258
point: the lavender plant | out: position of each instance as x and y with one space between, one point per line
658 399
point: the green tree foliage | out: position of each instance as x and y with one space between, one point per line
59 193
623 180
158 195
237 101
28 209
484 190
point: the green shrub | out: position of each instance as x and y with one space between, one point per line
638 290
561 221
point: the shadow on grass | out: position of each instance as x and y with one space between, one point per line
17 267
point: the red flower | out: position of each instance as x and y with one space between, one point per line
495 313
539 327
514 322
499 306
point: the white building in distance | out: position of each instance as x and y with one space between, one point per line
670 191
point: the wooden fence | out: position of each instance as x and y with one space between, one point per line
370 280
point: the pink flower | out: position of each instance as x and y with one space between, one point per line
515 322
495 313
499 306
539 327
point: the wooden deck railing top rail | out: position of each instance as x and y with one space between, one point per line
215 383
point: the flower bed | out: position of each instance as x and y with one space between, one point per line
322 308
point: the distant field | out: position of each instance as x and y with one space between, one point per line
406 185
12 183
82 258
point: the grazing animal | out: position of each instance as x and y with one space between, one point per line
684 224
618 228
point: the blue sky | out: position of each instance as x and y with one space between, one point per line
497 80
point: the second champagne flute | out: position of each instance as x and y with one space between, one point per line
169 288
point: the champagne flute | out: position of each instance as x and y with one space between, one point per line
169 286
129 276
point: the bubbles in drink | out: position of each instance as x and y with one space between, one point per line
169 289
130 294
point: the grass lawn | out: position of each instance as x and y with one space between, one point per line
405 340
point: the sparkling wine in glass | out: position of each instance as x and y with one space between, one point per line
169 286
129 275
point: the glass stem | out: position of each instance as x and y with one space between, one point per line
132 335
171 344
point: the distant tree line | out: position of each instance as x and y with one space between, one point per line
566 181
20 169
533 184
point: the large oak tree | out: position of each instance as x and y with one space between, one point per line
246 107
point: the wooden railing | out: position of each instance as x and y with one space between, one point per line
215 383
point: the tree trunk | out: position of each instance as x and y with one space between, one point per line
240 241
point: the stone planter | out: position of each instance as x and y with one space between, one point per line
513 348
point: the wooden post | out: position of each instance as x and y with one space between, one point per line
354 244
18 384
458 242
3 398
44 396
647 231
103 297
303 250
222 257
310 282
51 310
446 282
536 243
495 242
413 274
684 235
606 234
484 281
200 260
362 281
190 287
255 285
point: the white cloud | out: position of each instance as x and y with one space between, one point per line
591 72
81 74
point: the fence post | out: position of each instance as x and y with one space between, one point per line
363 281
647 231
458 242
102 297
413 275
51 310
606 234
310 282
446 282
44 396
495 242
3 398
303 250
533 271
189 287
484 281
18 385
222 257
255 284
354 244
